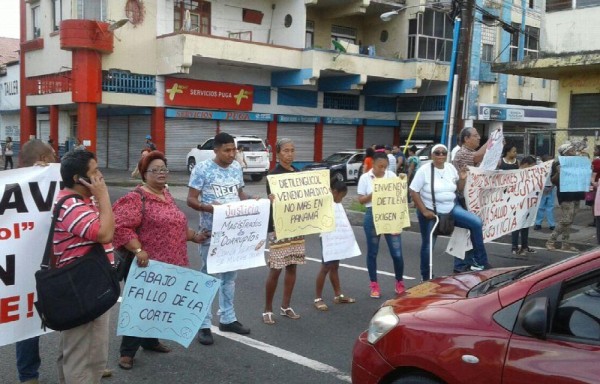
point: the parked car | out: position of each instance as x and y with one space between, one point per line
256 155
507 325
344 165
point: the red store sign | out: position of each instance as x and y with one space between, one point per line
205 94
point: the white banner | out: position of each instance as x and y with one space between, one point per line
494 151
239 236
341 243
25 217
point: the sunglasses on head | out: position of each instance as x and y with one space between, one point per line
440 153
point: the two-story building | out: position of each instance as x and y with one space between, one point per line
9 89
328 74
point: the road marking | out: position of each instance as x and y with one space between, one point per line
284 354
364 269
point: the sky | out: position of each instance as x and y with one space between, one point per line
9 18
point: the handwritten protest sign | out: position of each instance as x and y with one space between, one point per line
493 152
27 196
165 301
303 203
390 208
239 234
575 173
505 200
341 243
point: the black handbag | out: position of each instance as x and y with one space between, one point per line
445 226
124 257
80 291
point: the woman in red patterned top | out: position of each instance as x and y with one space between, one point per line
160 233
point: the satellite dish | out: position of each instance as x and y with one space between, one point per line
117 24
338 46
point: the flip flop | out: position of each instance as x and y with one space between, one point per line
268 318
320 304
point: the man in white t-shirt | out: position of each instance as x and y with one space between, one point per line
391 159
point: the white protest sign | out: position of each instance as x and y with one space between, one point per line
239 236
26 206
494 151
341 243
505 200
165 301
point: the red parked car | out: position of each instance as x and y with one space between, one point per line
508 325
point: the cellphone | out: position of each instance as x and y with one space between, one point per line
84 178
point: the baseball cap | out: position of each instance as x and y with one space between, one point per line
148 137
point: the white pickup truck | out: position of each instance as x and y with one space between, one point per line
255 154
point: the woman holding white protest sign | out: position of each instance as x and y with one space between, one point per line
283 253
365 195
151 227
446 180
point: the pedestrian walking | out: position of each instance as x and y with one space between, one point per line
240 156
8 153
394 241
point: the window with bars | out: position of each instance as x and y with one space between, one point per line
340 101
488 43
345 34
430 36
532 42
198 19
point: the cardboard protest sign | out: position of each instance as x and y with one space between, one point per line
165 301
390 207
340 243
239 235
505 200
26 203
493 152
575 173
303 203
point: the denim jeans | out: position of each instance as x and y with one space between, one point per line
546 209
472 222
524 238
226 292
28 358
425 227
394 243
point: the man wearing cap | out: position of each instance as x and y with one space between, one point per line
149 144
568 202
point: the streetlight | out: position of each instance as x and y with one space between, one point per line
387 16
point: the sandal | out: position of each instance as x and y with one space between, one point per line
289 312
320 304
126 362
341 299
268 318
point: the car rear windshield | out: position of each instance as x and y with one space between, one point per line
251 146
338 158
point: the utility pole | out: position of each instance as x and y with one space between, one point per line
463 60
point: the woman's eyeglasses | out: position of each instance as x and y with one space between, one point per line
158 170
440 153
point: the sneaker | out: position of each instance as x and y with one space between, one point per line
550 246
515 251
568 248
375 291
400 287
479 267
527 250
461 269
537 227
235 327
205 336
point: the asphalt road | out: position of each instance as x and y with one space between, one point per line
317 348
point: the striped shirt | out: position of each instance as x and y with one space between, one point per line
76 230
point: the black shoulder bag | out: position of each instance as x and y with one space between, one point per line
123 256
77 293
446 225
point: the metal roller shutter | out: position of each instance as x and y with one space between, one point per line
303 136
378 135
244 128
43 130
118 145
139 127
424 130
184 134
337 138
102 142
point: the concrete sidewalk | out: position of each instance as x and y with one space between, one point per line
583 236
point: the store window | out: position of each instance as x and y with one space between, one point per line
192 16
430 36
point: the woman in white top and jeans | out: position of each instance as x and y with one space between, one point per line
365 194
446 181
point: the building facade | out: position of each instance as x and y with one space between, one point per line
327 73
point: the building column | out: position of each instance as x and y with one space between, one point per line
272 140
360 136
157 128
87 92
54 127
318 142
87 115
